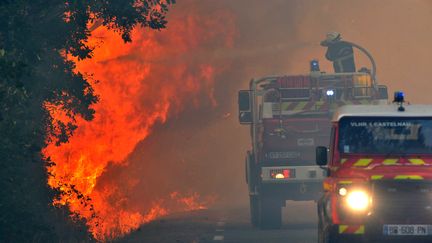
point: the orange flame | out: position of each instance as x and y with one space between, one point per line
139 84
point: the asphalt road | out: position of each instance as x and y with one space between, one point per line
229 225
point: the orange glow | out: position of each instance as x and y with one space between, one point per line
139 85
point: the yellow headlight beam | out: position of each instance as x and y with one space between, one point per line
358 200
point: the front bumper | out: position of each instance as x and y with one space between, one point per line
372 233
407 203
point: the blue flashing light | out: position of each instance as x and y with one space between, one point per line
330 92
314 66
399 97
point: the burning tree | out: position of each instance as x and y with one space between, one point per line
36 37
139 84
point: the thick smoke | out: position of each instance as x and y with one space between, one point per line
201 149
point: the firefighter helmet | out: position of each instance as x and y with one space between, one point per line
333 36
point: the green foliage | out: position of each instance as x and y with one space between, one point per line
35 37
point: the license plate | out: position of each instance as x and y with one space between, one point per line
410 229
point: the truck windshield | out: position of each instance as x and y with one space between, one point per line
384 135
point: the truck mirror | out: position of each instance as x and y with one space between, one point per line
245 108
382 92
321 155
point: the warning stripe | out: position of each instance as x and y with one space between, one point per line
365 162
300 106
377 177
417 161
397 177
408 177
291 106
316 105
324 106
342 228
309 106
352 229
285 106
390 161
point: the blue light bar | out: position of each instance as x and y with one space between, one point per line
399 97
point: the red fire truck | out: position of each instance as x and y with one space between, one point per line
288 117
380 175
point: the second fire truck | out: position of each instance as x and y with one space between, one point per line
288 116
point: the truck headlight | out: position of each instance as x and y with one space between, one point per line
357 200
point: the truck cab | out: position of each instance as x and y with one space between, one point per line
379 167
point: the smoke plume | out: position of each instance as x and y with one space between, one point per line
166 128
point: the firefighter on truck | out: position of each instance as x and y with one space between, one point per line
379 184
288 116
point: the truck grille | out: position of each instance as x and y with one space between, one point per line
402 201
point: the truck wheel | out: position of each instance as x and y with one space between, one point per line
320 231
254 210
270 213
326 236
